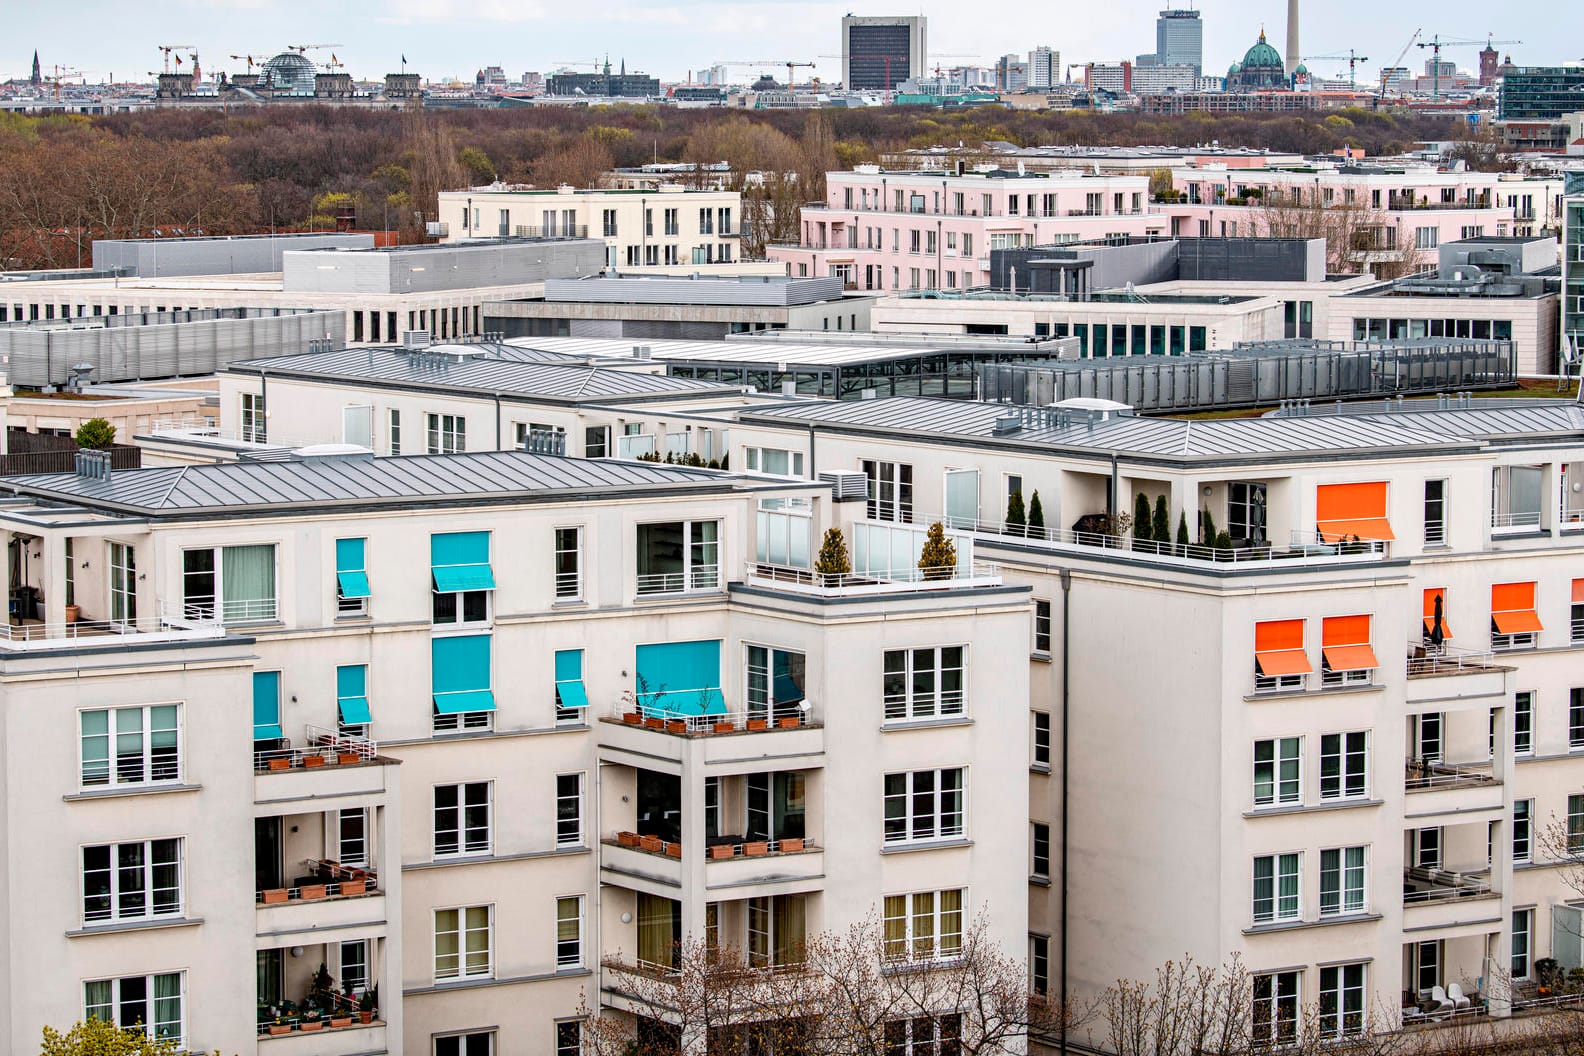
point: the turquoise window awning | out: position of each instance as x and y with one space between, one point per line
351 572
569 679
352 695
680 678
461 561
460 676
353 584
266 706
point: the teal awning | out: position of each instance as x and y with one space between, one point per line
266 706
571 694
354 711
680 678
353 584
352 694
569 679
461 561
466 700
451 578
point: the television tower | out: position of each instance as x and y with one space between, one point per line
1293 51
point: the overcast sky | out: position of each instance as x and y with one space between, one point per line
444 38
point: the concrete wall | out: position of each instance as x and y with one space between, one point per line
151 258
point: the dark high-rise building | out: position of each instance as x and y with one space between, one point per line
1179 39
1540 93
880 53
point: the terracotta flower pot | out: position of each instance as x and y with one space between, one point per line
312 1024
725 727
308 892
354 887
757 847
627 839
676 726
274 895
653 844
632 718
790 723
791 846
276 1029
280 764
365 1016
654 722
757 724
311 761
340 1021
348 758
673 849
73 613
723 850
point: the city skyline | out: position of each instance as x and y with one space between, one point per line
440 38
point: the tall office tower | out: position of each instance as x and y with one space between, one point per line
880 53
1044 67
1179 39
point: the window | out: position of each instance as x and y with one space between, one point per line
678 557
596 441
1344 765
357 427
1280 662
571 698
774 461
352 836
253 419
569 810
1039 964
241 578
568 564
1347 658
446 434
1575 824
924 805
354 966
659 931
1522 934
1576 614
1522 830
776 931
266 707
1275 888
924 1035
131 881
1246 502
1435 512
923 925
461 577
460 683
890 490
1277 772
924 683
608 223
569 932
1427 237
1575 719
1276 1008
1342 1001
679 678
1523 722
774 683
569 1038
123 583
671 226
352 706
352 583
146 743
1042 626
1342 881
1352 513
477 1043
395 431
1042 738
462 943
1514 622
145 1004
1040 835
462 819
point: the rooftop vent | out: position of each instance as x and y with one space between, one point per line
326 452
847 485
642 352
416 339
94 465
545 442
1007 424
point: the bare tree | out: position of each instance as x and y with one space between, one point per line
1358 236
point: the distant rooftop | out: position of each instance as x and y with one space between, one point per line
753 290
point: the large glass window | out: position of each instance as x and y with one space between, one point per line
924 805
145 1004
1522 938
1278 772
233 584
1342 875
462 819
130 746
123 583
446 434
1246 512
1344 765
678 557
462 943
1276 888
1276 1008
776 930
131 881
923 925
890 490
924 683
1342 1001
775 683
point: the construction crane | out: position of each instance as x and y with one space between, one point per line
1436 44
1397 62
168 49
1352 58
62 73
790 65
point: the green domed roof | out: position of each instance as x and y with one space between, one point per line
1301 69
1236 67
1262 54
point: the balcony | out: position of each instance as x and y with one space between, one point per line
329 765
699 579
965 575
324 880
326 1039
636 734
1437 788
1449 674
1447 898
324 748
170 626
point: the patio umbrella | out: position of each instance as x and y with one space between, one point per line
1437 632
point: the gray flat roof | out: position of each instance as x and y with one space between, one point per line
769 352
317 483
1178 440
524 372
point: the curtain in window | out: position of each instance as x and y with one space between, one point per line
1264 874
962 498
446 944
656 931
789 934
924 924
1288 901
248 583
895 926
477 946
951 922
168 1005
98 1002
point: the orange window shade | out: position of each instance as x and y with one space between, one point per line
1430 597
1279 648
1513 608
1578 592
1345 642
1343 510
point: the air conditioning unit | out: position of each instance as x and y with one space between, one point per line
847 485
416 339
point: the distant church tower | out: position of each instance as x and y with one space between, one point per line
37 78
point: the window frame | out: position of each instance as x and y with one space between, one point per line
1523 831
1525 918
1042 627
149 1027
569 952
115 874
568 586
1523 722
881 475
466 846
909 800
696 576
149 764
1039 850
1348 881
1341 1021
1280 795
573 836
444 434
217 603
463 930
938 702
1041 739
1280 1006
1277 914
913 945
1344 777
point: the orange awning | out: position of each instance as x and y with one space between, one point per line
1513 609
1578 592
1430 597
1278 648
1348 510
1350 658
1345 643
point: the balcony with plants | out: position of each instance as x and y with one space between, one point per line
303 1009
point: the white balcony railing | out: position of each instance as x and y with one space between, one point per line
169 623
659 716
1571 518
1422 884
237 610
1515 520
1433 773
698 579
1448 660
873 580
322 748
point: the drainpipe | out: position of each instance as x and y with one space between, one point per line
497 422
1066 589
1111 494
813 470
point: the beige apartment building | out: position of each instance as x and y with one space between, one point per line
515 718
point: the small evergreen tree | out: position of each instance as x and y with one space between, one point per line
832 559
1016 518
1182 528
95 434
1207 529
939 555
1160 524
1036 517
1223 541
1141 518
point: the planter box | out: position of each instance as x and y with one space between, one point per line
673 850
758 724
632 718
653 844
757 847
312 761
366 1017
789 724
280 764
274 895
627 839
725 727
654 722
676 726
354 887
723 850
314 1024
340 1021
309 892
791 846
277 1029
348 758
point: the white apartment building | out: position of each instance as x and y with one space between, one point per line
650 228
513 718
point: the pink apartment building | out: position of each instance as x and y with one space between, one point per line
1419 207
908 230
